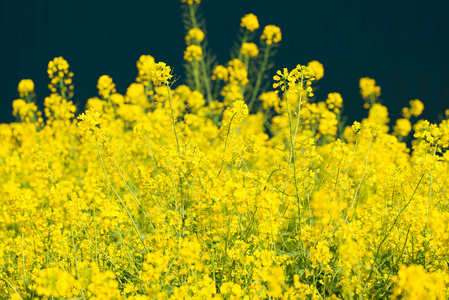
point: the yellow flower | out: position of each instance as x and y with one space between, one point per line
271 34
159 194
334 101
328 123
194 34
61 78
402 127
231 92
23 110
161 74
136 94
249 49
58 108
145 66
320 254
105 86
368 88
95 104
190 2
158 73
317 68
17 105
237 72
283 77
220 72
53 282
233 117
58 66
324 207
378 115
416 107
193 52
250 22
117 99
26 87
301 75
195 100
270 99
413 282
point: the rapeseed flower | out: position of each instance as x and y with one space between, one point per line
189 191
369 88
194 34
271 34
193 52
250 22
317 69
26 87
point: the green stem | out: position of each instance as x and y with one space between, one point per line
192 16
10 284
205 77
196 75
226 143
151 153
358 186
245 38
226 251
73 244
61 86
242 89
216 89
173 120
372 100
45 244
23 265
293 154
133 195
120 198
259 77
149 87
74 253
376 256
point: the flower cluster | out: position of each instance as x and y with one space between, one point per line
402 127
105 86
413 282
334 102
250 22
317 69
236 76
369 90
26 87
145 67
60 77
249 49
194 34
220 72
270 99
220 189
415 110
301 75
161 74
233 117
190 2
193 52
150 72
25 109
271 34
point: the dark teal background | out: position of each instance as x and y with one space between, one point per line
402 44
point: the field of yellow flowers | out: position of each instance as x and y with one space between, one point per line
237 185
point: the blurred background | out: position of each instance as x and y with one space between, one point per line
404 45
